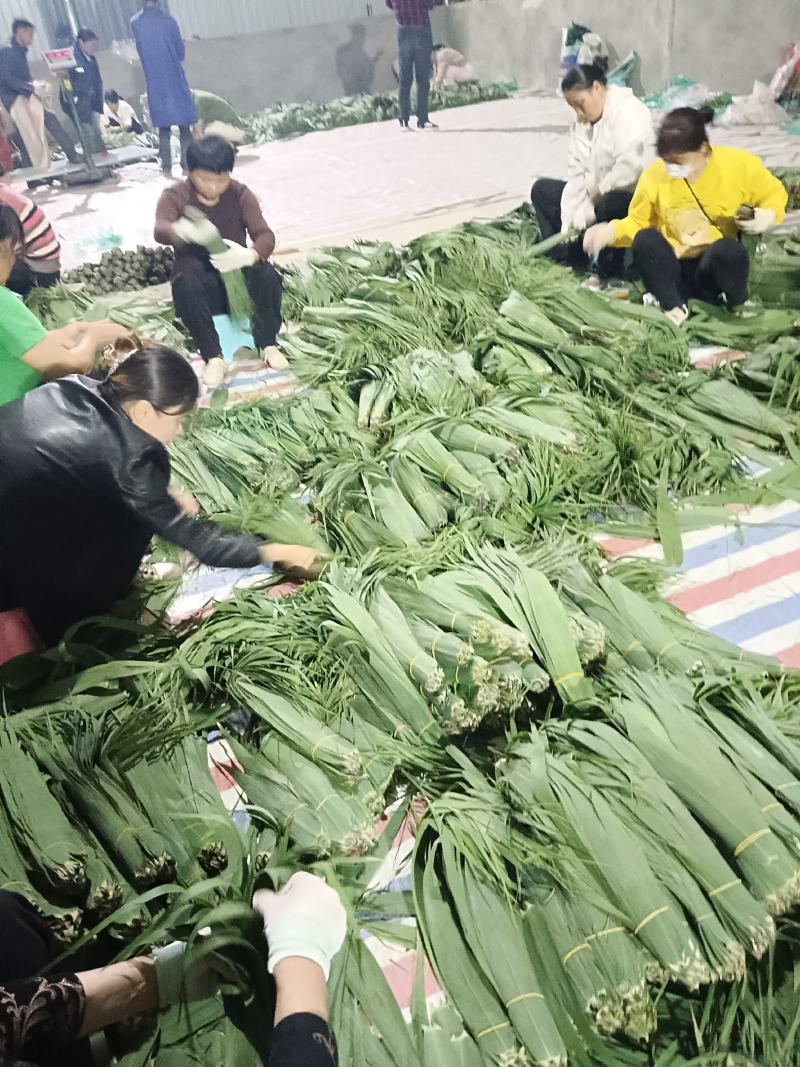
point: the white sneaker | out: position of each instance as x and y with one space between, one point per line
593 283
274 358
678 315
214 374
649 301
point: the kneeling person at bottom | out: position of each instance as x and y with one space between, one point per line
198 290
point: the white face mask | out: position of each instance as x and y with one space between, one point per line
678 170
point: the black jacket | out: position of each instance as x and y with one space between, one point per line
87 86
82 491
15 74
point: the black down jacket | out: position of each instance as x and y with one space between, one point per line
82 491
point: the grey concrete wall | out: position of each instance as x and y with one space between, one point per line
294 64
725 43
729 44
521 39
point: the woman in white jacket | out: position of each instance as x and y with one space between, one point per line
611 142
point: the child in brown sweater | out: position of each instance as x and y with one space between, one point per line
198 290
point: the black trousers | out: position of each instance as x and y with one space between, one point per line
721 271
22 279
199 295
546 199
415 44
165 145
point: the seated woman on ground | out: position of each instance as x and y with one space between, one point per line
686 214
610 144
84 486
450 67
30 354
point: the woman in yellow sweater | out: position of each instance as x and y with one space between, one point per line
684 218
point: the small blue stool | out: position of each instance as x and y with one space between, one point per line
231 337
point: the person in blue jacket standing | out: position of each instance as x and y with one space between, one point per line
162 52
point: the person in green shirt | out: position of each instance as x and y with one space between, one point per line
29 354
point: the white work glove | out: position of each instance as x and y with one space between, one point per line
235 258
306 919
178 982
763 218
598 237
201 231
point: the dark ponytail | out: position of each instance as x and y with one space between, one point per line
10 226
156 373
684 130
582 77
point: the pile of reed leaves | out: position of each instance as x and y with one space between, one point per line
608 868
292 120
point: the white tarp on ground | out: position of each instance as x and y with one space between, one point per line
368 181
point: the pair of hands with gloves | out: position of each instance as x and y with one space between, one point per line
305 920
602 235
200 230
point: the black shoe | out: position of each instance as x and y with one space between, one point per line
404 124
427 125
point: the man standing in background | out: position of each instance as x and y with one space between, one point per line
28 113
87 90
162 52
415 45
18 95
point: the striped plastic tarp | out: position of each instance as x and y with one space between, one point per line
740 582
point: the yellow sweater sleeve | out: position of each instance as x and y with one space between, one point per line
641 213
764 189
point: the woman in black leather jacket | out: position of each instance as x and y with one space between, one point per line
84 486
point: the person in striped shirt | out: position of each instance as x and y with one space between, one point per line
39 264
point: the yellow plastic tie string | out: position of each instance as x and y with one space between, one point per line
493 1029
325 800
771 807
632 646
788 785
426 727
751 840
411 668
453 620
433 645
666 648
653 915
724 888
314 749
525 996
605 933
292 814
578 948
569 677
706 915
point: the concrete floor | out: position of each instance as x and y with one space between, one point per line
371 181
